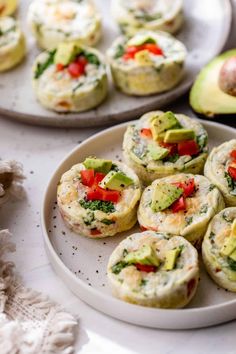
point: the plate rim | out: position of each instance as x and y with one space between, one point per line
73 281
79 120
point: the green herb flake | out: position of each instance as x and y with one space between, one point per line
212 235
89 219
41 67
232 264
120 51
105 206
92 58
143 282
125 252
227 218
203 209
172 158
107 221
117 268
211 187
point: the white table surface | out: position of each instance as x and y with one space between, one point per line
40 150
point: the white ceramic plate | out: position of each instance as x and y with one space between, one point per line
204 33
81 262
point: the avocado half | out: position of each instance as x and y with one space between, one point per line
206 97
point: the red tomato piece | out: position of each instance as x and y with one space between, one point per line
187 186
233 154
188 147
128 56
82 60
145 268
153 48
133 50
143 228
95 232
232 172
111 196
87 177
98 177
75 69
146 132
95 194
171 147
59 67
178 205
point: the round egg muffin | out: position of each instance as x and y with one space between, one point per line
8 7
148 63
133 15
220 168
161 144
56 21
219 249
182 204
70 79
12 43
99 198
152 269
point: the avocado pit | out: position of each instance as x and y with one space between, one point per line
227 76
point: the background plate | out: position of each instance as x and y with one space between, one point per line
204 33
81 262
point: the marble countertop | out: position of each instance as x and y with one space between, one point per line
40 150
97 333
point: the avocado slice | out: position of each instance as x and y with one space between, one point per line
206 97
171 257
143 57
177 135
229 246
157 152
66 53
160 124
145 255
233 228
140 39
98 165
116 181
164 195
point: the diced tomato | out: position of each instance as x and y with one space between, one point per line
188 147
142 228
153 48
98 177
145 268
171 147
98 193
232 172
95 194
132 50
87 177
146 132
233 154
82 60
187 186
75 69
95 232
111 196
128 56
178 205
60 67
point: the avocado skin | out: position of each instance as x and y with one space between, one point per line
205 87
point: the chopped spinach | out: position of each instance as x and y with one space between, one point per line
107 221
231 184
90 218
41 67
125 252
143 282
117 268
202 141
92 58
211 187
105 206
119 51
172 158
232 264
212 235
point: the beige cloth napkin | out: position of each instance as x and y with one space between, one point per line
30 322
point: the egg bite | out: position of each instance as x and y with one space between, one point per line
99 198
7 7
12 43
219 249
181 204
146 64
55 21
133 15
152 269
161 144
220 169
70 79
